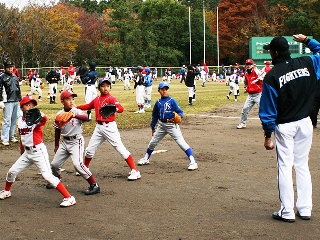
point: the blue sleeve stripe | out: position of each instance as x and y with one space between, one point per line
268 108
316 64
314 46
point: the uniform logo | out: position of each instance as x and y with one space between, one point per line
24 131
302 72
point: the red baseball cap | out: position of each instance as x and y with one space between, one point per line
249 61
27 99
67 93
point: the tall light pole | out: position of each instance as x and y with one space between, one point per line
190 62
204 33
218 59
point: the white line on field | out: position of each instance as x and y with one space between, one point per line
214 116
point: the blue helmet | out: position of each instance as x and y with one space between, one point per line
139 68
147 70
92 65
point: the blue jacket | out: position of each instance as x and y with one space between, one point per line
147 80
163 110
288 89
90 78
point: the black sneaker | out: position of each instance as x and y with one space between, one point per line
49 186
276 216
93 189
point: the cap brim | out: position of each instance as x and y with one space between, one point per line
266 47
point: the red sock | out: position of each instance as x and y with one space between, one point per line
87 161
8 186
62 189
91 180
131 163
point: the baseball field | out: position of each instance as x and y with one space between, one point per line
231 196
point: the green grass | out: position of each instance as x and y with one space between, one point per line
207 98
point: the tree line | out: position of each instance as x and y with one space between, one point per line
150 32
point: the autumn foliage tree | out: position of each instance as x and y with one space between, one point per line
152 32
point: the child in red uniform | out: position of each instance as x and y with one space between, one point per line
106 128
33 151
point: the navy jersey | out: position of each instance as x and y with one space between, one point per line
288 89
163 110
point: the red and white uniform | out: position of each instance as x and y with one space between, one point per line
72 145
71 72
35 152
106 128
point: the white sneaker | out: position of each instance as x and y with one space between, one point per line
78 174
142 111
241 125
14 140
4 194
193 166
137 111
228 96
143 161
5 143
67 202
39 100
134 175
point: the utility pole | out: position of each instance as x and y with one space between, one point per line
204 33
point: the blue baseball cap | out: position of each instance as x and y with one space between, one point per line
163 84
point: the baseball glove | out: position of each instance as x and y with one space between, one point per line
107 110
63 118
42 85
33 116
175 119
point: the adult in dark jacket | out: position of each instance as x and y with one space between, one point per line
287 95
53 77
10 96
189 82
90 80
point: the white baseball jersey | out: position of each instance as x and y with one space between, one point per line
72 145
73 127
35 83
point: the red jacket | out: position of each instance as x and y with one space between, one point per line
98 102
253 84
71 70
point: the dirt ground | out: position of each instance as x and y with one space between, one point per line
231 196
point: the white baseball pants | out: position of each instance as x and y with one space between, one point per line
293 143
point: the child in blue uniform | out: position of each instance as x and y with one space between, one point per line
162 114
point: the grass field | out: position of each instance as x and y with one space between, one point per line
207 98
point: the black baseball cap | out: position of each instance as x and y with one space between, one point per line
279 44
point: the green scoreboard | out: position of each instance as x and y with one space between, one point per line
259 55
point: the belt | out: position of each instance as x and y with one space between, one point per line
101 123
70 137
29 148
33 148
164 120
